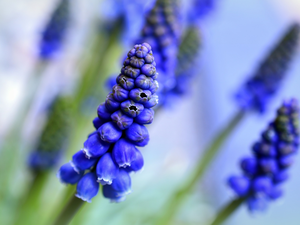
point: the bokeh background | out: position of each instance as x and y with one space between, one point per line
236 37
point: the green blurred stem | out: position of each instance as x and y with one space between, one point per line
178 197
227 211
31 202
69 211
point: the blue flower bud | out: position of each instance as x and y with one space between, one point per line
286 161
262 185
275 193
109 132
149 58
143 82
111 104
145 117
264 149
125 82
142 50
154 86
81 162
138 134
97 123
268 165
94 132
87 187
139 95
122 120
119 93
286 149
240 185
106 169
114 196
256 203
103 113
153 101
137 164
249 165
122 183
149 70
94 146
130 108
270 135
67 174
130 71
280 177
137 62
124 153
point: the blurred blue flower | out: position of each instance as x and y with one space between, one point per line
55 30
199 9
55 135
273 154
259 89
110 154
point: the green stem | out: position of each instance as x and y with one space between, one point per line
207 157
69 211
227 211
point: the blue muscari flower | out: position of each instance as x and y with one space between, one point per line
273 154
54 137
55 30
110 154
259 89
199 8
161 31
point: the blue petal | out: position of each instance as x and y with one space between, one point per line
124 153
94 146
138 134
87 187
106 169
82 162
137 164
67 174
122 183
109 132
109 192
240 185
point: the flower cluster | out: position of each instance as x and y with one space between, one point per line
55 30
55 135
258 90
110 154
161 31
267 169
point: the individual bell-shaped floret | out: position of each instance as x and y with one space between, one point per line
106 169
68 174
87 187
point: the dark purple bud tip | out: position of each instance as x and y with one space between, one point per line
125 82
119 93
145 117
138 134
131 108
149 70
140 96
123 121
137 62
262 185
68 175
153 101
81 162
137 164
240 185
268 165
114 196
109 132
111 104
103 113
122 183
143 82
87 187
130 71
94 146
106 169
97 122
124 153
249 165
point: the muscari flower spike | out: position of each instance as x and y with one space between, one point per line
161 31
267 169
54 136
110 153
55 30
259 89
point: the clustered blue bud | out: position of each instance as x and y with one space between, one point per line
110 153
267 169
161 31
54 137
55 30
259 89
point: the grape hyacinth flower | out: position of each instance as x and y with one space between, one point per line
257 91
161 31
199 9
54 136
266 171
55 30
110 153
